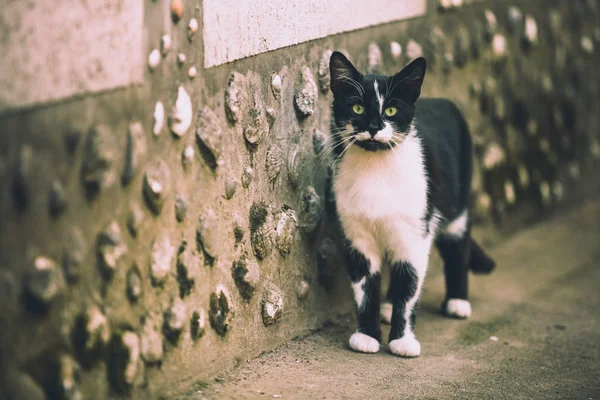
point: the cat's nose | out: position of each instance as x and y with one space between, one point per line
373 132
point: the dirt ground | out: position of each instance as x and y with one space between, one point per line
534 334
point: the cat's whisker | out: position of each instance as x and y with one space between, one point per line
330 150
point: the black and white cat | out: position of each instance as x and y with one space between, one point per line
402 182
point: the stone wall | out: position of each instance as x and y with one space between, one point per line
155 234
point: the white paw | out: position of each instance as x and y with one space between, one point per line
385 313
407 346
363 343
458 308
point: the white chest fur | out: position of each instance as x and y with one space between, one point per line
381 198
376 185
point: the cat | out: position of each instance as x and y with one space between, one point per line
401 182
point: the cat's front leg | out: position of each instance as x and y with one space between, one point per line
366 282
406 280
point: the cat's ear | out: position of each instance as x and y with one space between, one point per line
342 71
411 78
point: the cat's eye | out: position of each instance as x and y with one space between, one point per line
358 109
390 111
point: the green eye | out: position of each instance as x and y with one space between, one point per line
358 109
391 111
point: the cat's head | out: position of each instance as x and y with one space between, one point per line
373 111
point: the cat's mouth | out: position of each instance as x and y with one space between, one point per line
375 145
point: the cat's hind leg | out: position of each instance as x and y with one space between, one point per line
364 268
454 247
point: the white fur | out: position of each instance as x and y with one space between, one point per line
379 97
384 135
363 343
406 346
458 227
458 308
359 292
385 312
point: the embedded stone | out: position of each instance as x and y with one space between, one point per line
530 34
161 259
444 5
557 191
100 154
198 324
434 45
57 199
447 63
515 19
187 265
221 310
413 50
134 219
523 175
494 156
91 335
135 151
165 44
274 162
396 51
509 192
499 47
302 290
491 24
260 231
187 157
257 126
175 319
181 207
276 85
68 377
545 193
474 89
374 59
230 188
192 28
238 232
192 72
246 275
125 367
235 97
209 137
181 59
110 248
293 165
327 249
319 141
176 10
207 233
286 226
153 59
574 171
133 283
305 96
45 282
156 186
483 206
159 118
247 177
499 109
272 305
181 116
74 252
310 212
271 116
587 44
323 74
151 343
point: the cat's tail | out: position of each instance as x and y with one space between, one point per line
479 262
